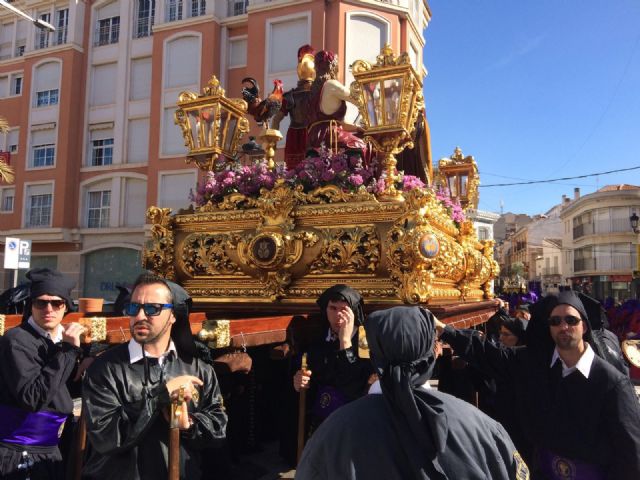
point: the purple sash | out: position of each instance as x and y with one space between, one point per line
328 400
42 429
557 467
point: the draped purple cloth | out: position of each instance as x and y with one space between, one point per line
41 429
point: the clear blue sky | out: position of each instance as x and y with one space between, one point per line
536 90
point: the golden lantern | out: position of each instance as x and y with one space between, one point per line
212 124
389 98
460 175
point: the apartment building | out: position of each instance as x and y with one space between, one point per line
90 107
600 247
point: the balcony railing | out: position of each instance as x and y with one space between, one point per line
581 264
106 34
619 262
143 27
551 271
582 230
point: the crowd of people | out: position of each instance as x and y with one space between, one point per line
557 401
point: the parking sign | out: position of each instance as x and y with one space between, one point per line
17 253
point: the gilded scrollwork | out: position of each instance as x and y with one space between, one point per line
348 250
159 254
206 254
216 333
276 205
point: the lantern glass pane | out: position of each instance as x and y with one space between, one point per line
207 116
392 94
453 185
372 100
224 117
193 117
463 185
231 132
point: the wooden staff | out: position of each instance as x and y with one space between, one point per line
174 436
302 407
81 445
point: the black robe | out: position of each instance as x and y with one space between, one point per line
594 420
33 376
128 433
359 441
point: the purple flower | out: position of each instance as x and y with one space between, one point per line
356 180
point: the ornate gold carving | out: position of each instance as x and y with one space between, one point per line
1 325
159 254
216 333
389 98
205 254
213 88
96 329
348 250
212 125
462 173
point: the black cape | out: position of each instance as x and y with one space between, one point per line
594 420
359 441
127 431
33 376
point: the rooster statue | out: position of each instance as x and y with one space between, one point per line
262 110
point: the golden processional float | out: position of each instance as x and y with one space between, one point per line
275 252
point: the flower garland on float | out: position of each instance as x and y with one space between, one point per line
348 173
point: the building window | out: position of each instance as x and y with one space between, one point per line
145 13
98 209
108 31
47 97
198 7
44 155
21 45
237 7
42 34
102 152
12 140
38 210
62 25
16 85
237 52
7 196
483 233
173 10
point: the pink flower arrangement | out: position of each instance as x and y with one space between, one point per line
348 173
453 207
247 180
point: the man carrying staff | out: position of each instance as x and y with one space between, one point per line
129 389
36 360
336 375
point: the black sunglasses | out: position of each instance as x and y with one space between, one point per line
41 304
149 309
570 319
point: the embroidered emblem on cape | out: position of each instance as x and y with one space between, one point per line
325 400
563 468
522 471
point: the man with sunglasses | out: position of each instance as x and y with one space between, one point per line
577 410
128 391
36 360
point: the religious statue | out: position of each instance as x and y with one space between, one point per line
327 108
295 104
